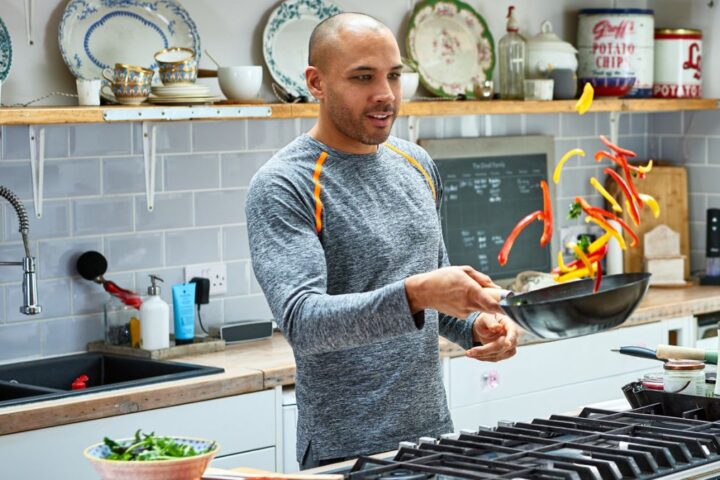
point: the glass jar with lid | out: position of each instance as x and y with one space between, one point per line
117 321
686 377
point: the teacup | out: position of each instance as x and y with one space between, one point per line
240 82
129 84
409 82
177 65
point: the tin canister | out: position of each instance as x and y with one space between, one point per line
615 46
678 63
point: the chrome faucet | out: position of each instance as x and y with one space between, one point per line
30 305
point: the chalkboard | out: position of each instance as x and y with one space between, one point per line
489 184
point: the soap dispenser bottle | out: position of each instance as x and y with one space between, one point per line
154 319
511 53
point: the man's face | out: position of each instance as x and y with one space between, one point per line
362 85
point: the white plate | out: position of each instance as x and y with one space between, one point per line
95 34
5 51
452 46
285 41
183 100
186 90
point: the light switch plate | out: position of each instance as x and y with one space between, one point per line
215 272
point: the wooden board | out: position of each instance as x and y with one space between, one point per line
668 185
199 346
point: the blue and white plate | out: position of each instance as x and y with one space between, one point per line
5 51
285 41
95 34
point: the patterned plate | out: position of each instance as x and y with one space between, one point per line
285 41
5 52
95 34
452 45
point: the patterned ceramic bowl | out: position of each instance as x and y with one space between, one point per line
129 93
189 468
177 65
609 86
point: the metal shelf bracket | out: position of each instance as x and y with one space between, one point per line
37 165
149 133
614 127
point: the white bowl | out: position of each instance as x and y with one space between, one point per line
409 83
240 83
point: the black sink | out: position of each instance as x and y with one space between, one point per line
53 377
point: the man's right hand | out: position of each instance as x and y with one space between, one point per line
455 291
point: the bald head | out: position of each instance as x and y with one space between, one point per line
330 30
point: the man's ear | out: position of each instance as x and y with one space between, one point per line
313 78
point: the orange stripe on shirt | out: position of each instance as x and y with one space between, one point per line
318 187
417 165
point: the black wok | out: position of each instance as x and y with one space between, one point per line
572 309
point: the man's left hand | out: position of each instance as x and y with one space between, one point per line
498 335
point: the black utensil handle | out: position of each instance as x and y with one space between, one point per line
641 352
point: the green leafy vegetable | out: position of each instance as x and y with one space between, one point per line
575 211
584 243
151 447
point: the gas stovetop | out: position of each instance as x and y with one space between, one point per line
595 445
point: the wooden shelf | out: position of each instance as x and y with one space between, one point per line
72 114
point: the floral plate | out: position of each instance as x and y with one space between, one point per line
5 51
95 34
452 46
285 41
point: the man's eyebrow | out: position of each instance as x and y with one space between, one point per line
364 68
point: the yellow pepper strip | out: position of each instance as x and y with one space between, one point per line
573 275
581 255
627 205
646 168
598 186
652 203
608 229
561 264
575 151
585 101
598 244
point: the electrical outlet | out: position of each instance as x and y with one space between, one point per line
215 272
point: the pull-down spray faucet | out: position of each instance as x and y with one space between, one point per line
30 305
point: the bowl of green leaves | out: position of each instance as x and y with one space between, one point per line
151 457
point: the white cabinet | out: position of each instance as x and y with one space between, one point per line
244 423
553 377
289 419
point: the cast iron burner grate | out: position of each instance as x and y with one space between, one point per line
595 445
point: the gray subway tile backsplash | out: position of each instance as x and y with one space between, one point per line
171 276
100 139
220 207
127 175
196 171
72 178
249 307
55 221
130 252
170 210
577 126
274 134
171 137
238 278
697 205
20 341
16 142
102 215
237 169
89 297
703 179
542 124
665 123
71 335
13 252
17 177
713 151
183 247
220 136
235 243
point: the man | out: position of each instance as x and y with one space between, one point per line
347 246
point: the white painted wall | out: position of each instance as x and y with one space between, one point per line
232 31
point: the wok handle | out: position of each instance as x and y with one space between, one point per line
686 353
498 293
641 352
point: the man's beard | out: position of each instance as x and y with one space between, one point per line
351 127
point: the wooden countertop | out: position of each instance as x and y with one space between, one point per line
268 363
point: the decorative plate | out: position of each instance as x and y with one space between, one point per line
95 34
285 41
5 51
452 46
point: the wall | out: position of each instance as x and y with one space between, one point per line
94 186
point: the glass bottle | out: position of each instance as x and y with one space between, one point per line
117 321
511 52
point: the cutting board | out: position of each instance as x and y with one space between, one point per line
668 185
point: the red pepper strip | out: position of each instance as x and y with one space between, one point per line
631 184
505 250
603 154
547 215
598 277
634 214
597 211
593 257
616 149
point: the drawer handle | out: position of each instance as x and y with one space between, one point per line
492 379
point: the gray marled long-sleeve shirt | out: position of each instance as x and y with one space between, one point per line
333 236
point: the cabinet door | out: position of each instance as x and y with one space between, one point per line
289 419
238 424
552 364
258 459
